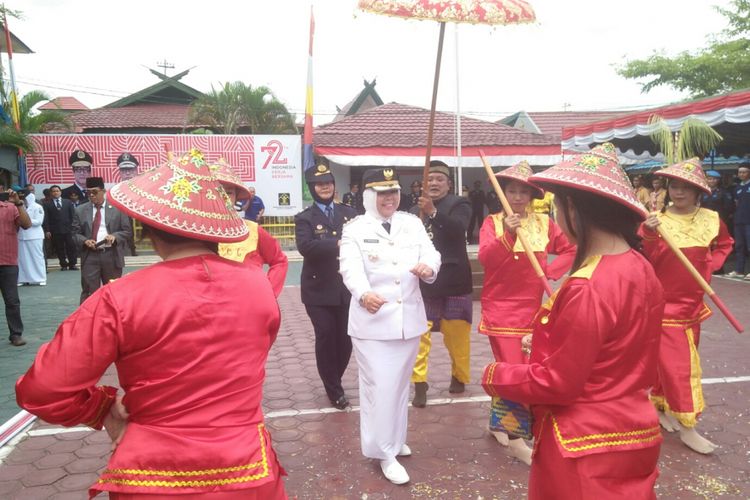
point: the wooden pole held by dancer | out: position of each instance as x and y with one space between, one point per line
431 126
520 232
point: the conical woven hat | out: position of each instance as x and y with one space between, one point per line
597 171
181 197
520 172
690 171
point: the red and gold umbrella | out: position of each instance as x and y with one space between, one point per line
492 12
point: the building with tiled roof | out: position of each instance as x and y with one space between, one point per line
396 134
162 108
65 104
553 122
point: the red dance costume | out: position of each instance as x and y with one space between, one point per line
512 293
705 241
594 351
190 354
259 248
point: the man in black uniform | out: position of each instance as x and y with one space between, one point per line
58 228
81 163
326 299
447 300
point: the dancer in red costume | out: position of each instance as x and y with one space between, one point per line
705 241
190 422
594 347
512 293
259 247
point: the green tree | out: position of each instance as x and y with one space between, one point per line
31 121
722 66
240 108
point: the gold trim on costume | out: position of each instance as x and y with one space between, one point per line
393 184
505 330
201 472
649 434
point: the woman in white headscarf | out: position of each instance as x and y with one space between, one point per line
383 255
31 265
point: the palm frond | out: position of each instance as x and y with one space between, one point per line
10 137
696 138
662 137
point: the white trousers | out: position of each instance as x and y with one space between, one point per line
385 368
31 267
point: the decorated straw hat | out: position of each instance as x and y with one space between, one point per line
596 171
182 197
689 171
226 175
520 172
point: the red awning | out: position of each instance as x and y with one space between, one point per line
728 114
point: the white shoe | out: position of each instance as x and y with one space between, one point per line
747 277
42 283
394 471
405 451
733 274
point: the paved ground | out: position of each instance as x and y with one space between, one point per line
319 447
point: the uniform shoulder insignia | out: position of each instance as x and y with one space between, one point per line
352 220
412 215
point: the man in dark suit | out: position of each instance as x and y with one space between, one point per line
326 299
448 300
81 162
102 234
58 223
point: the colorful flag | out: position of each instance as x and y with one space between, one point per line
15 113
307 149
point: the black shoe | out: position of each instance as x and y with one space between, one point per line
73 268
63 268
420 394
341 403
17 341
456 386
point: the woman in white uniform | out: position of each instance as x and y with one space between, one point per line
383 255
31 268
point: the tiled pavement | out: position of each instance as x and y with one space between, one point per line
453 456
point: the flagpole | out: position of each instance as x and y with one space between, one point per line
15 113
308 160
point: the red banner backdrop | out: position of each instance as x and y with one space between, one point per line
49 165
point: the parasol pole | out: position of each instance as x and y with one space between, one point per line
431 126
520 232
459 175
699 279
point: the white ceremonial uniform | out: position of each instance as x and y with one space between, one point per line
385 343
31 264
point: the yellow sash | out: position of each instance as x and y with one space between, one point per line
692 230
537 229
238 251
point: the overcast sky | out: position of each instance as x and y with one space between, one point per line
98 50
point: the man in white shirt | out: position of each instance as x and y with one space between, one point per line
102 234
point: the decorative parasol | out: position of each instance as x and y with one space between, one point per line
492 12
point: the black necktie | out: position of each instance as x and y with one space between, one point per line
57 203
387 226
329 213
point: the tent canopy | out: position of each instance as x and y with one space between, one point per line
728 114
